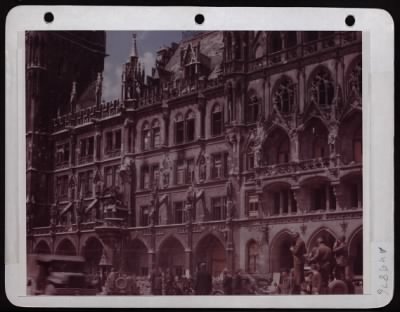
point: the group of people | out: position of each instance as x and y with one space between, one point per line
166 283
327 264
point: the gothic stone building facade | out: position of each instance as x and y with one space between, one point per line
234 141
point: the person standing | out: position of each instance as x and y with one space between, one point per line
110 281
203 284
227 282
315 280
341 256
323 258
298 251
238 283
156 282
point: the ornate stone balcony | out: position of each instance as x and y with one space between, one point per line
84 116
337 39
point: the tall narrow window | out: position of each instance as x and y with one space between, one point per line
108 176
145 177
144 216
218 208
155 178
83 148
277 203
190 129
156 134
190 171
146 137
217 168
179 130
252 257
179 213
109 141
283 152
180 173
319 198
250 157
216 120
319 147
253 205
117 145
322 88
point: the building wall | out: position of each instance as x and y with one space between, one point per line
301 176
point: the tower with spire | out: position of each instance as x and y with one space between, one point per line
132 77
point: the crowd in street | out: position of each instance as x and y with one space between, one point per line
312 273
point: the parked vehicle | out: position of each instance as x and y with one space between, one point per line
58 275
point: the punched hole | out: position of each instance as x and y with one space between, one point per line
48 17
199 19
350 20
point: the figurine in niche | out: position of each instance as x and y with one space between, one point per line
202 168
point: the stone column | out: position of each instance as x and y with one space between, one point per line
189 261
151 259
302 90
166 122
97 142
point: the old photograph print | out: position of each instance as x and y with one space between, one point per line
194 163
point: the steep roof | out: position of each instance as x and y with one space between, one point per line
211 44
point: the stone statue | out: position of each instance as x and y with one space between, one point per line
99 82
73 93
166 171
202 168
190 195
314 93
229 190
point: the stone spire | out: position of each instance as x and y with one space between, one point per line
134 52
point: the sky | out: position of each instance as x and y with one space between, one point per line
118 48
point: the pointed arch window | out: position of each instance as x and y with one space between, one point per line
252 257
284 96
322 88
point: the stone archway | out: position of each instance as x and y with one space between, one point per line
355 246
66 247
211 251
328 236
171 255
137 258
281 258
92 251
42 248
